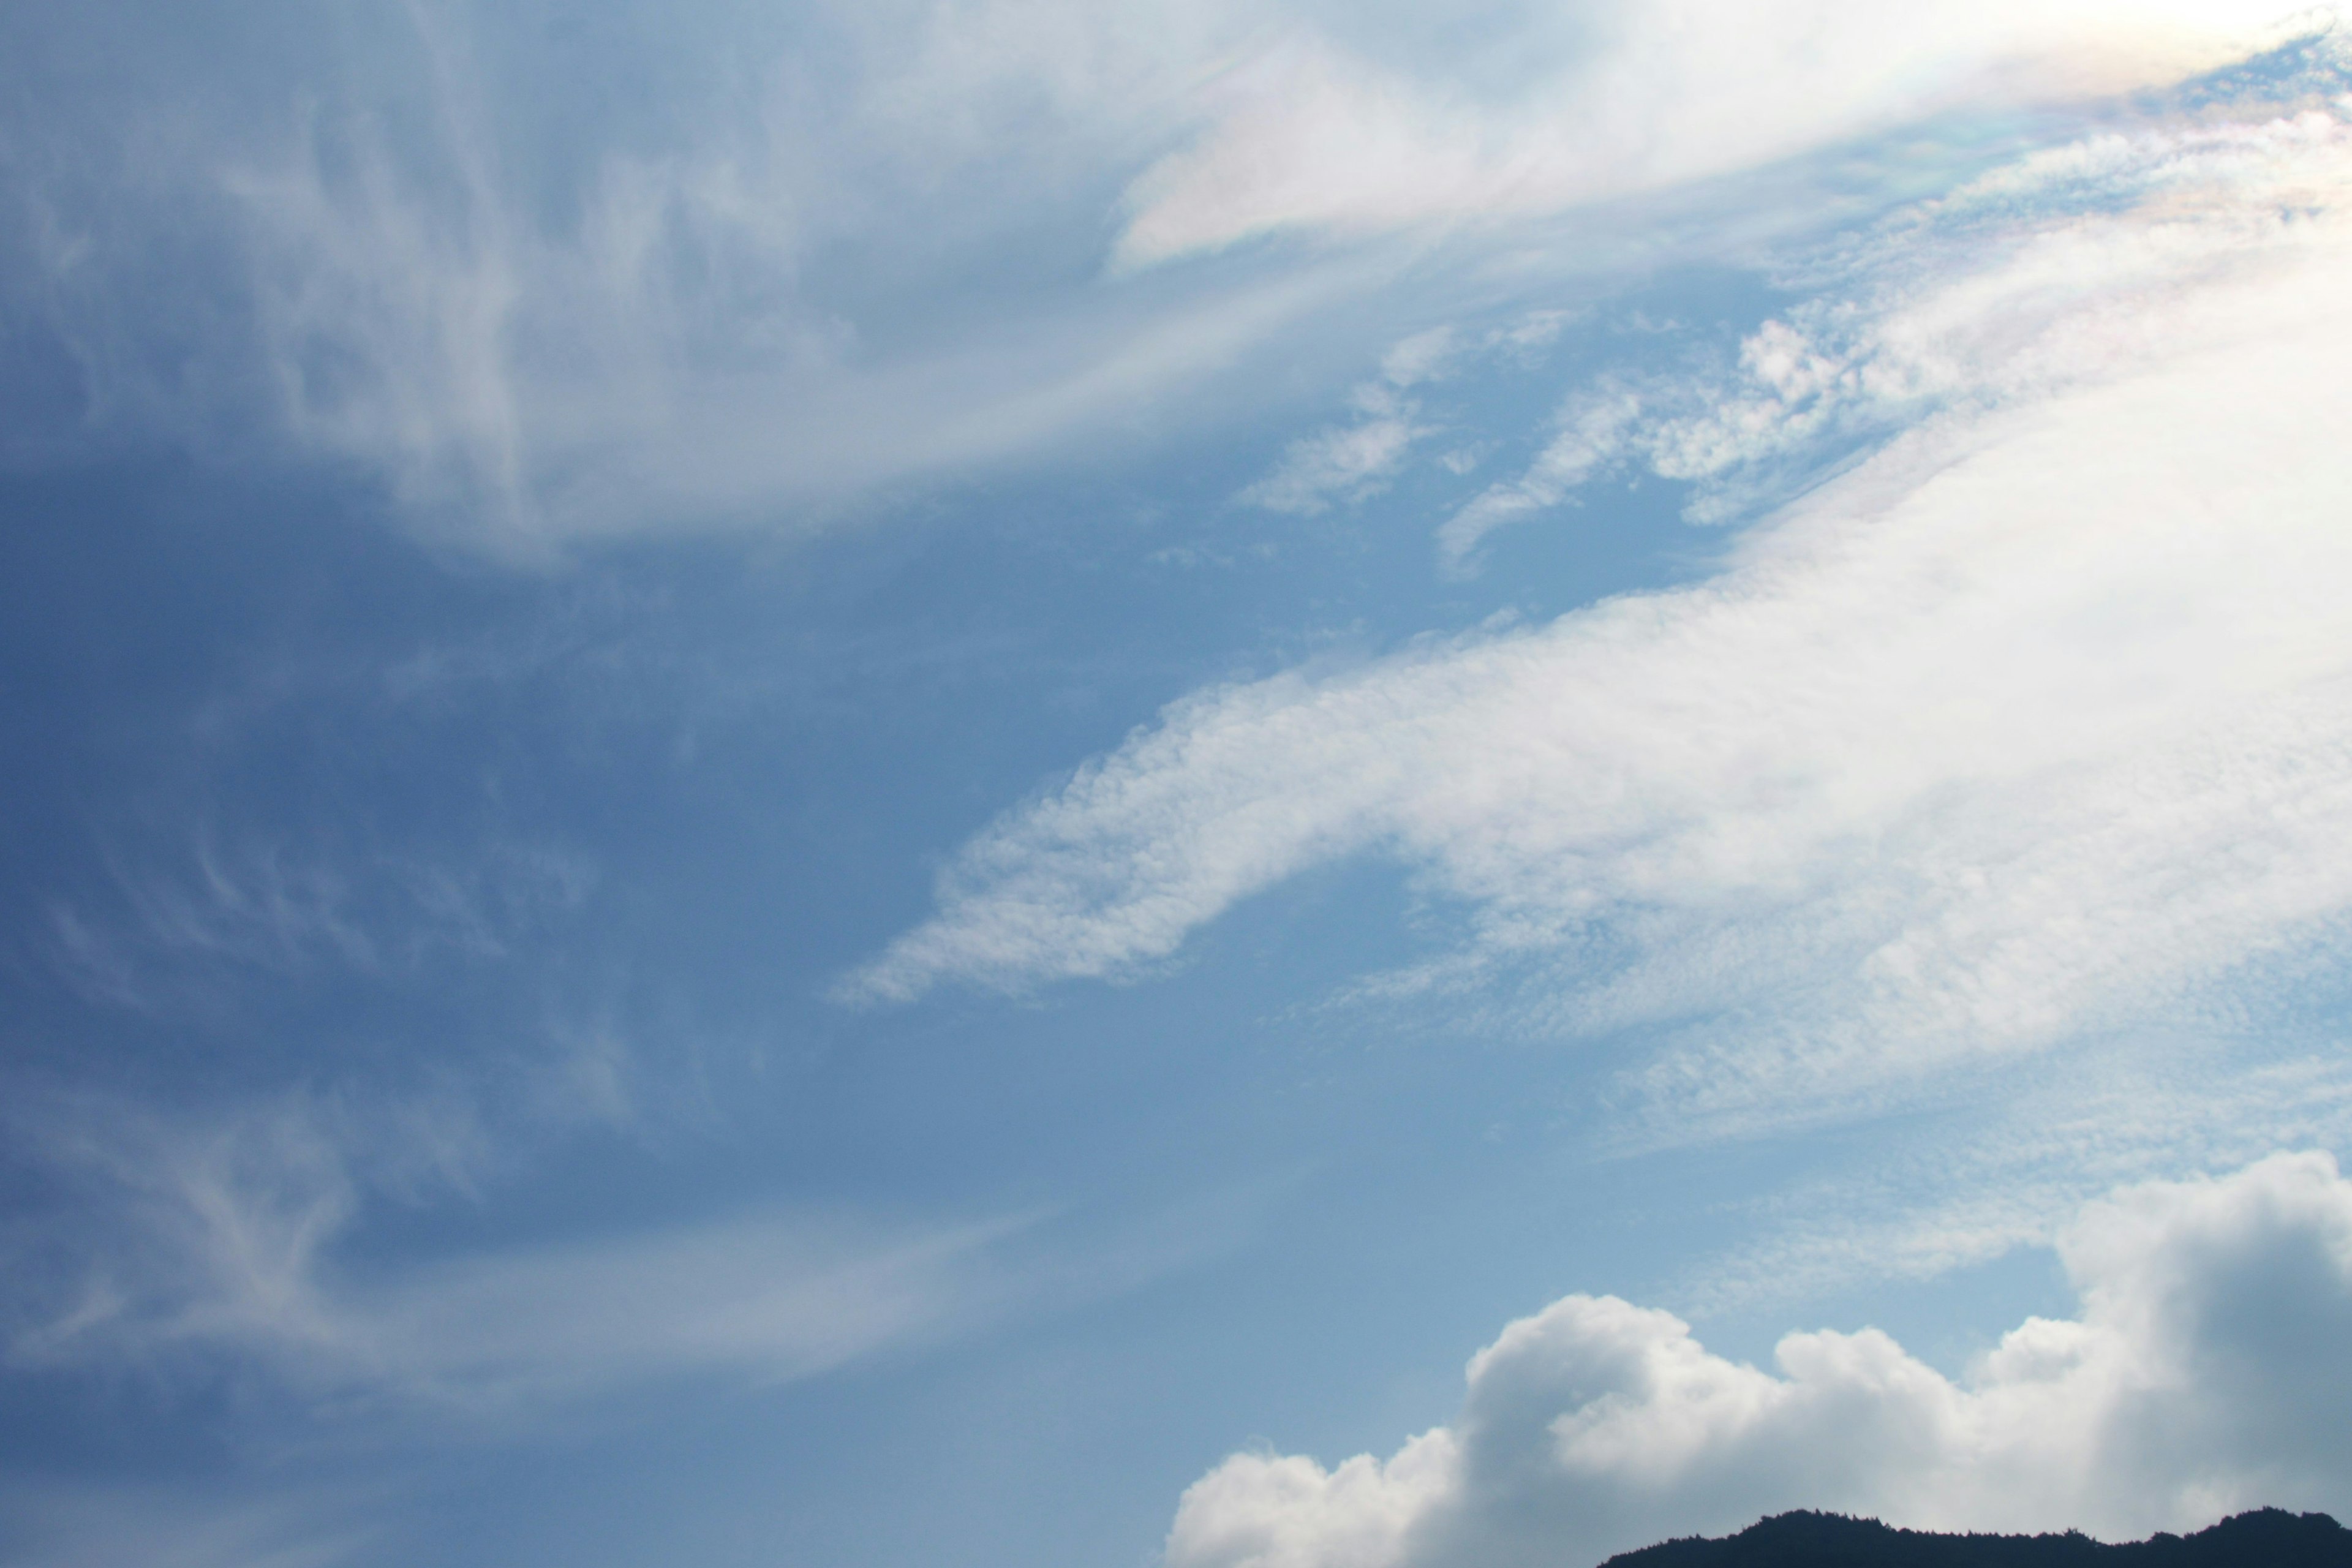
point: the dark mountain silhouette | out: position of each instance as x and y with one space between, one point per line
2267 1538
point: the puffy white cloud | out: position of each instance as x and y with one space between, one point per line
2030 724
2207 1371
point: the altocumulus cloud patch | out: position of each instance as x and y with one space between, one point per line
2204 1374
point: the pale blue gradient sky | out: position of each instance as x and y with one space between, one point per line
836 784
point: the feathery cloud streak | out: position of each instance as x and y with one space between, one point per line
2030 721
210 1241
850 264
1612 100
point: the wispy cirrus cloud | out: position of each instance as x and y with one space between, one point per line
264 904
1317 138
2015 287
1348 463
203 1240
756 299
2020 728
191 1244
1982 1172
847 268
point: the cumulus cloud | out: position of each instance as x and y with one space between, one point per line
2027 725
2204 1374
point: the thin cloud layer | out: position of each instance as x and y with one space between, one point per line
787 260
2028 724
2202 1375
839 255
1612 100
223 1241
2001 293
1348 463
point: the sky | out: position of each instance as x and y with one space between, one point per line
1169 785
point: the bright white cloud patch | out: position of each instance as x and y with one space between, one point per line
1615 98
2002 293
2205 1373
2030 723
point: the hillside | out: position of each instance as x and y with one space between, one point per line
2267 1538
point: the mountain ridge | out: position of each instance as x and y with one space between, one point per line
2262 1538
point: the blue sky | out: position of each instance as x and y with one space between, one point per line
1322 787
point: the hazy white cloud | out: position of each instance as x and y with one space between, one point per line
2029 724
1348 463
229 1239
2204 1374
768 294
1615 98
1351 463
1592 431
2003 290
2002 1166
830 275
662 361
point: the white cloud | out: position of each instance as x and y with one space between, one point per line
662 363
1592 431
837 257
676 272
1351 463
2205 1373
2028 725
2002 291
1965 1184
1616 98
194 1240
